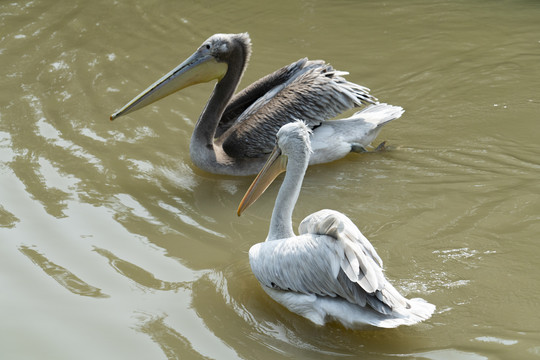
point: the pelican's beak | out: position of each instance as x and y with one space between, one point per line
275 165
198 68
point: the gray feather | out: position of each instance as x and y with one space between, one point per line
311 91
324 262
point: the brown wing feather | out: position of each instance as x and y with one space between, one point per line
245 98
312 91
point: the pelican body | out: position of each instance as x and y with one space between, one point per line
235 133
330 271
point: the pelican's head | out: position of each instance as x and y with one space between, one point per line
292 140
209 62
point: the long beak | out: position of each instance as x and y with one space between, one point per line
275 165
198 68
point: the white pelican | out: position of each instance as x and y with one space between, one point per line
235 134
330 271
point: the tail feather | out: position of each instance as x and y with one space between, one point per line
355 317
379 114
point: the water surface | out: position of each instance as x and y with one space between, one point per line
113 245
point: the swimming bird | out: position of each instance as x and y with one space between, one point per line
330 271
235 133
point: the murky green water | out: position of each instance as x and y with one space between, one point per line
114 246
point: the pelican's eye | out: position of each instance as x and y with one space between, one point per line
207 46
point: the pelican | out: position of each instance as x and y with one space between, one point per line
235 134
330 271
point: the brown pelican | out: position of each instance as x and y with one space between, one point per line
330 271
235 134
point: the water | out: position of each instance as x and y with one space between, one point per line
113 245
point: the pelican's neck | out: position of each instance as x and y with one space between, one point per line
205 129
281 222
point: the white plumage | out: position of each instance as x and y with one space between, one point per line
330 271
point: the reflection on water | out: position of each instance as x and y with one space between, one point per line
171 342
63 276
114 245
137 274
8 220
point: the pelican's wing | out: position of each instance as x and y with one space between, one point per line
245 98
311 91
339 226
330 258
